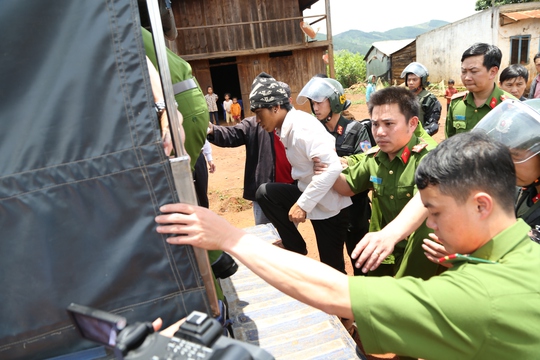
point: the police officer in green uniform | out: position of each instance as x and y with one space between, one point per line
189 98
389 170
192 105
328 101
485 307
479 67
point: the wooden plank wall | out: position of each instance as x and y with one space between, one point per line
191 13
400 60
295 69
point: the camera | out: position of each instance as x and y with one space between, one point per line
199 337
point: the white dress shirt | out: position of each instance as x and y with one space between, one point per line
304 138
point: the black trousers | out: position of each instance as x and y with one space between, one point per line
277 199
200 181
358 224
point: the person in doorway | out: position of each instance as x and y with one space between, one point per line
236 110
211 101
227 108
416 79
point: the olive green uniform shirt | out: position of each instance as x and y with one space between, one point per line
463 114
393 186
471 311
191 103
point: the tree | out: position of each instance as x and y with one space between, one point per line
486 4
350 68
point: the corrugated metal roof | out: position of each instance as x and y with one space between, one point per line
391 46
513 17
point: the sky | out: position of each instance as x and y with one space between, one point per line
383 15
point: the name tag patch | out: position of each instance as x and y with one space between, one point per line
375 180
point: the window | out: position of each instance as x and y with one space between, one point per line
519 49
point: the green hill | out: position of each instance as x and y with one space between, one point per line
357 41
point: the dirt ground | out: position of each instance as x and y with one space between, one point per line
226 184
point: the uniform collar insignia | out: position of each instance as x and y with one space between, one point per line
405 154
340 129
493 103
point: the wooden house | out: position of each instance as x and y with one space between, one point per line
228 43
387 59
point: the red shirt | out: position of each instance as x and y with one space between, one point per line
283 167
448 94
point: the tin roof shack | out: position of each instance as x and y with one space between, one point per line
387 59
513 28
229 43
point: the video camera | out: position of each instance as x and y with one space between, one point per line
199 337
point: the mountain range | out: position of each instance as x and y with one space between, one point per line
357 41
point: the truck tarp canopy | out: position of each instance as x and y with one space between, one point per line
82 176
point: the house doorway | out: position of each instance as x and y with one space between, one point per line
224 74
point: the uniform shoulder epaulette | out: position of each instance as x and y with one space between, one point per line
460 95
372 150
419 147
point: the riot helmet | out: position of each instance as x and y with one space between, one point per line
516 124
417 69
318 89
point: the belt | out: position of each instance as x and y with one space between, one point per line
185 85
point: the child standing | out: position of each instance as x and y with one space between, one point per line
227 107
211 101
236 110
449 93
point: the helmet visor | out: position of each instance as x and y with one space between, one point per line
317 89
516 125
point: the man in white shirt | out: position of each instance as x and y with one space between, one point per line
312 197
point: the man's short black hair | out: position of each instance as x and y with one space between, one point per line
406 100
467 162
492 54
513 72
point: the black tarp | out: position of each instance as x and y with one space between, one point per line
82 175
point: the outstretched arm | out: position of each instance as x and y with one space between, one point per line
376 246
297 276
